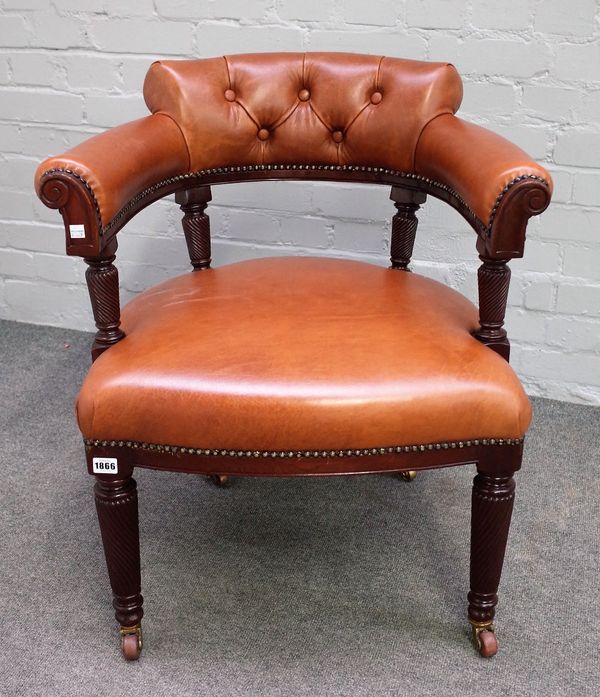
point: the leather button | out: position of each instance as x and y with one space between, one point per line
263 134
304 95
230 95
376 97
338 136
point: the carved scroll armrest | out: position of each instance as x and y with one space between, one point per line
91 183
500 184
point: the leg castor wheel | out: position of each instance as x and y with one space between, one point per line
131 642
220 479
408 476
488 644
485 640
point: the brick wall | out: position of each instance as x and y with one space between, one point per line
71 68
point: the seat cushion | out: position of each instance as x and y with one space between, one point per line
300 353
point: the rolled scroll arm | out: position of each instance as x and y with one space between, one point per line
92 182
498 183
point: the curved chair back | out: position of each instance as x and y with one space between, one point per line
295 108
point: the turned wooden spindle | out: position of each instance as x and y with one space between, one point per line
196 224
117 508
404 225
493 279
492 505
103 285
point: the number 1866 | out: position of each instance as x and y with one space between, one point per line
105 465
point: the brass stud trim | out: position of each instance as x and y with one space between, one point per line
199 174
358 452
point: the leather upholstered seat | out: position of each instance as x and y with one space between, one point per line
291 354
298 365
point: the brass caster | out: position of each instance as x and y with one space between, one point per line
131 642
484 638
220 479
409 475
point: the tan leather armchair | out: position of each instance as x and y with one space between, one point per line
299 366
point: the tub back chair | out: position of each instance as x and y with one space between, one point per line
299 366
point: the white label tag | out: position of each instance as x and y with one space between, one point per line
77 232
105 465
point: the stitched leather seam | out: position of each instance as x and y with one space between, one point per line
187 147
378 72
284 117
228 71
433 118
311 105
237 101
248 114
351 452
362 110
321 119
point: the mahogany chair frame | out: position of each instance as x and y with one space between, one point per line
498 240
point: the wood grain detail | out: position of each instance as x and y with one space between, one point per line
491 511
117 508
196 225
404 226
493 279
102 280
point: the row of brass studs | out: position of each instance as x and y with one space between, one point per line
261 168
251 168
359 452
276 167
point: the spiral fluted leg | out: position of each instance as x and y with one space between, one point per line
492 505
102 280
196 224
404 226
116 504
493 279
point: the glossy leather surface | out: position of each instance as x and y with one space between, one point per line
294 108
315 108
300 353
473 161
119 163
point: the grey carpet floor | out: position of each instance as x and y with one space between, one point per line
335 586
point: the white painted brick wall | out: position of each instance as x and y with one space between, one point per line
71 68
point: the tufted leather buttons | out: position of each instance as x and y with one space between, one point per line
338 136
263 134
230 95
304 95
376 97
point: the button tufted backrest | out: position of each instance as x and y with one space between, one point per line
295 108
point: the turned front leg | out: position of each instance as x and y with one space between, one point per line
493 279
404 225
492 505
102 280
196 224
117 507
